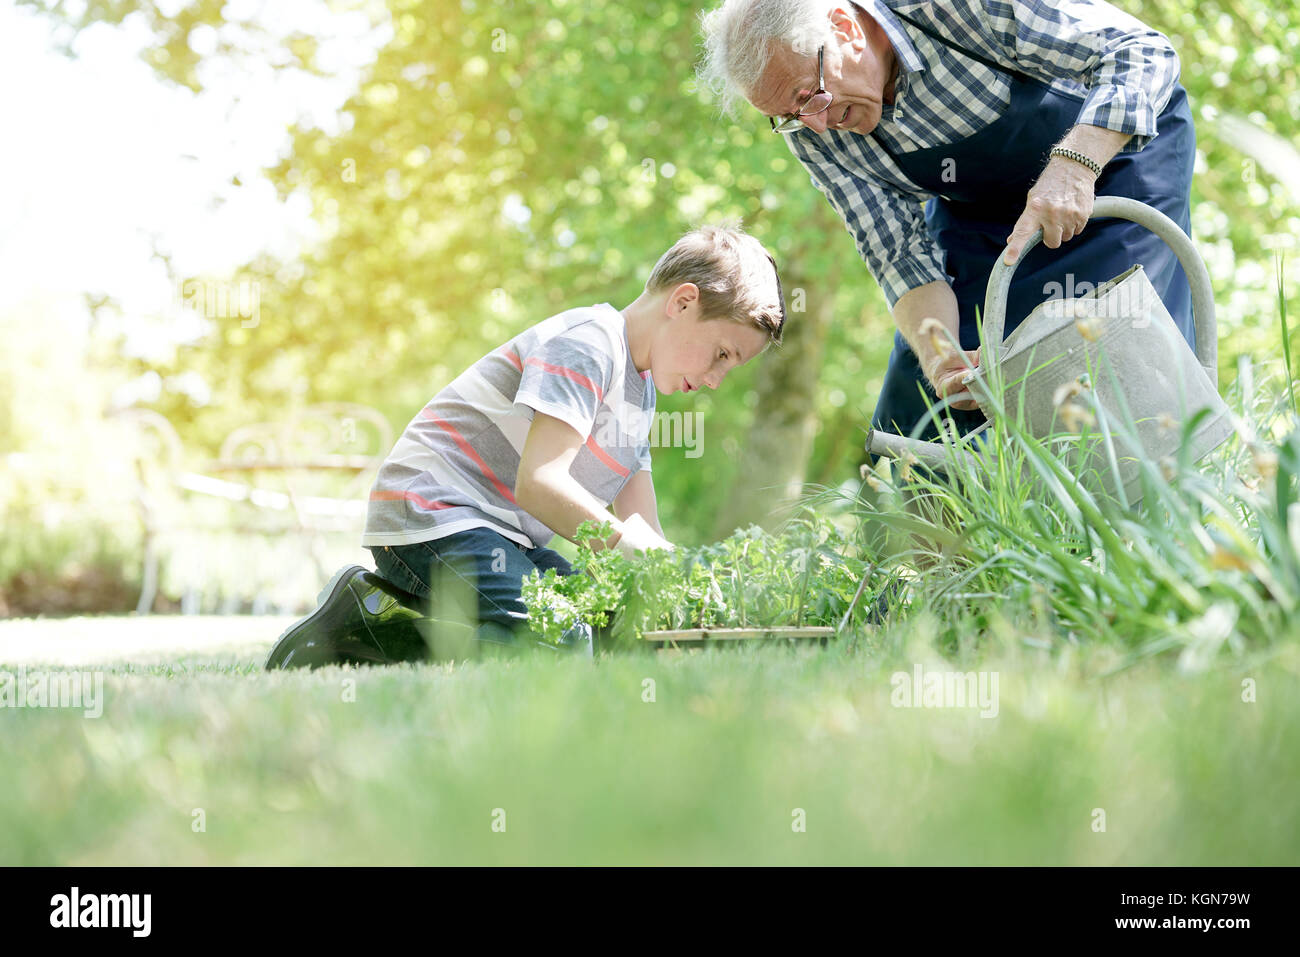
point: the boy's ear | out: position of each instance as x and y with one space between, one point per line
681 298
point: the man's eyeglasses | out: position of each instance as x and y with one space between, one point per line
816 103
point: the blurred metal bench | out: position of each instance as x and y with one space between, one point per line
306 475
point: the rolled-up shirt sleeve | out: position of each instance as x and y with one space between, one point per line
887 223
1129 69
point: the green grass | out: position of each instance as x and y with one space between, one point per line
1006 540
710 772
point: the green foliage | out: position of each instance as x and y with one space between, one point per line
499 162
1238 65
1009 543
67 485
804 575
181 31
586 116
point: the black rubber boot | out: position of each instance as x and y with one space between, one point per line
361 619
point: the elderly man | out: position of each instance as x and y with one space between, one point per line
1007 116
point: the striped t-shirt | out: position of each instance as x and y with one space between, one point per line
454 468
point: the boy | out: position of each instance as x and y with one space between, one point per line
535 438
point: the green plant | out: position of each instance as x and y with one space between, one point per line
802 575
1009 542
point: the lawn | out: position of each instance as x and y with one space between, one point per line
771 755
1145 712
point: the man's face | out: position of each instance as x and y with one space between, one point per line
859 67
690 353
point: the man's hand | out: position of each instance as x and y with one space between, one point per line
948 371
1061 201
1059 204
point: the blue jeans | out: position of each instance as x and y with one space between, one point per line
472 582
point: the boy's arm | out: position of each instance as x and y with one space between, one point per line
638 498
545 489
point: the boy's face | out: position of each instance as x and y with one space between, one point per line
690 354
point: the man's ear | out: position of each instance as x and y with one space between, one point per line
845 24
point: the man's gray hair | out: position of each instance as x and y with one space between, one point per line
741 36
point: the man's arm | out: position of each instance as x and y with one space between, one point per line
1130 72
940 362
546 490
638 498
1060 201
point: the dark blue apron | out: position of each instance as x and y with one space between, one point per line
972 218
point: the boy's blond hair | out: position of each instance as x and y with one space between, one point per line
736 276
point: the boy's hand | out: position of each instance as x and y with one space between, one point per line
639 536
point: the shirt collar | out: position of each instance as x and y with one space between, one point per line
909 60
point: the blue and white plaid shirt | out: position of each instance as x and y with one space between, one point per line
1124 70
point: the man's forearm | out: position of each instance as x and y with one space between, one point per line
1097 143
933 300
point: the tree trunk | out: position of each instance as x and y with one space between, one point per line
774 455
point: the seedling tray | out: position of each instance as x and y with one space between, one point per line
672 638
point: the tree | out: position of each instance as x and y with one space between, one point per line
503 161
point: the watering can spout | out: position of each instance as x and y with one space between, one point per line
931 454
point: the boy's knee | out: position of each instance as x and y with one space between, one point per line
398 572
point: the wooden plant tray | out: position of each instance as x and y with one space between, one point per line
722 634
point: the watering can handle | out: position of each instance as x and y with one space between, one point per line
1120 207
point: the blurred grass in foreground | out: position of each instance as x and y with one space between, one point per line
587 772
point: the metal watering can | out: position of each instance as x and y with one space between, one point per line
1117 358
